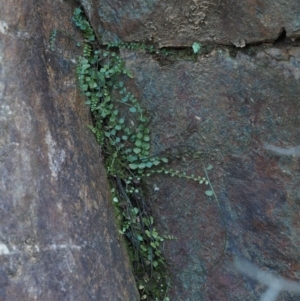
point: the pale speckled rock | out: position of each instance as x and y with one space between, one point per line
176 23
243 113
58 238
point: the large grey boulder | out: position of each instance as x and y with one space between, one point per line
181 23
58 237
242 112
240 108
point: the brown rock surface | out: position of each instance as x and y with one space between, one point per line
58 238
181 23
242 112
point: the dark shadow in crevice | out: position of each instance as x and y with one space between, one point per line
282 39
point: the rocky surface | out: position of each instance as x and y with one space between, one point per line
181 23
241 110
58 238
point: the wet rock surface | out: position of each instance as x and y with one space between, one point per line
181 23
58 237
242 113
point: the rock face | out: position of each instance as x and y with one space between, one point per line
58 238
240 108
242 112
181 23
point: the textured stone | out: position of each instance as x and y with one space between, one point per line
181 23
242 112
58 238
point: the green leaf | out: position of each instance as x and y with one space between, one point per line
137 150
153 245
143 248
132 109
196 47
127 131
139 237
143 119
138 142
209 167
165 160
142 165
77 11
93 85
128 74
115 200
146 146
84 87
132 158
133 166
139 135
146 138
145 153
209 192
85 66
